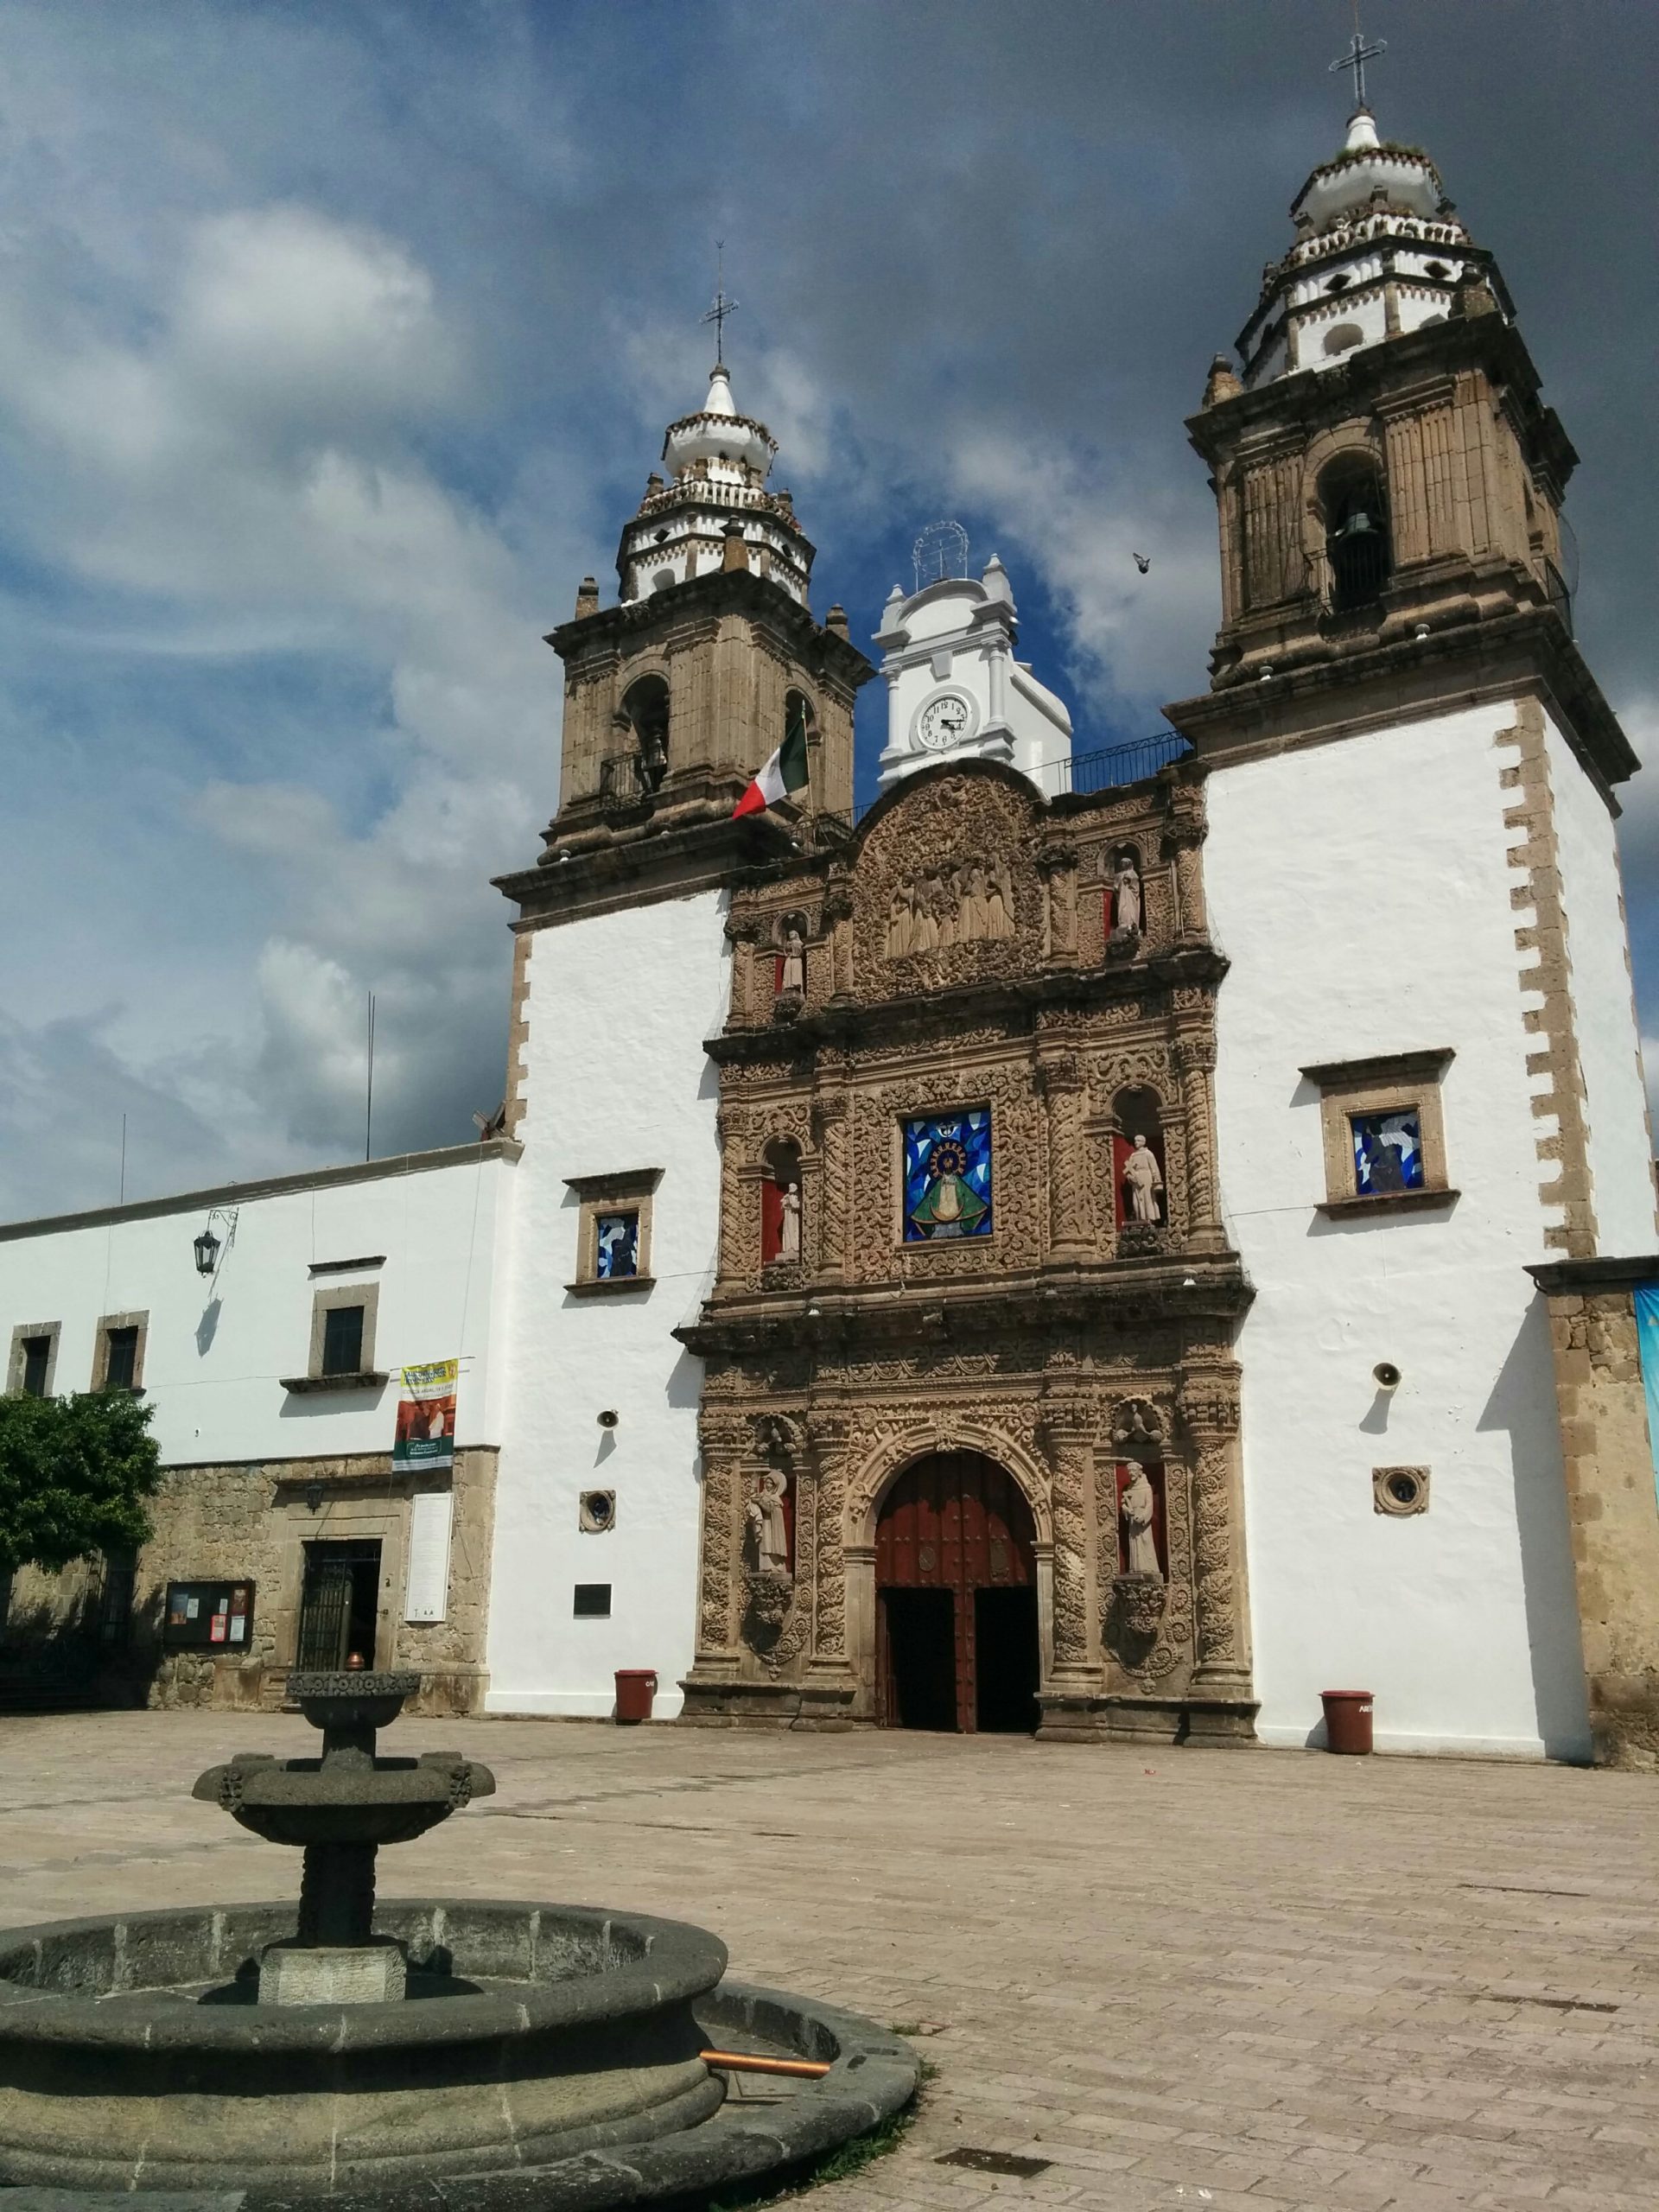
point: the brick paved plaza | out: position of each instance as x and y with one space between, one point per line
1229 1979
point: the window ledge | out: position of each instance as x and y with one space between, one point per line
610 1287
367 1379
1387 1202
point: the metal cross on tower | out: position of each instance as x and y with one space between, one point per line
1357 55
722 307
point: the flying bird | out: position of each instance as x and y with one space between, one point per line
1143 562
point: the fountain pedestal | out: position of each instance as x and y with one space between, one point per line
340 1808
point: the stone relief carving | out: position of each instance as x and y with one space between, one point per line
959 903
949 877
1137 1427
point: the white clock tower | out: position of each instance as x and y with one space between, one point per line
954 687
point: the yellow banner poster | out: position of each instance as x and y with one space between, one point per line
426 1416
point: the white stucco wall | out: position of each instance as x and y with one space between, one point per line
216 1352
1361 890
618 1006
1604 1010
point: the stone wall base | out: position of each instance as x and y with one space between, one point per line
1625 1721
1071 1718
736 1704
190 1679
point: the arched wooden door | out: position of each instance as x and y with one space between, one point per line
956 1580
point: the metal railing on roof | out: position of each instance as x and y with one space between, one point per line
1103 770
1120 763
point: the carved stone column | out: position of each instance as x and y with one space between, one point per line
732 1258
834 1183
1057 866
1184 835
1195 1061
1223 1698
724 1437
832 1683
837 926
1070 1213
1068 1430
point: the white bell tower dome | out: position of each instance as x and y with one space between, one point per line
954 688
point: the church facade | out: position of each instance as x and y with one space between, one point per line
1109 1258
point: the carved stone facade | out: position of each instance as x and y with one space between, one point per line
1052 1336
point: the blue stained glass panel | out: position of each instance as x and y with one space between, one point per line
616 1240
1388 1153
947 1176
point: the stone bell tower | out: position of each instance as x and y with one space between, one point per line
673 698
1428 1076
677 695
1384 467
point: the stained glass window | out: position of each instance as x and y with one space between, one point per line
947 1176
616 1246
1388 1152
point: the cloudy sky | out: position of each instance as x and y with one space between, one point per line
336 340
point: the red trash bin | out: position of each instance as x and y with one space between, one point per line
1347 1720
635 1688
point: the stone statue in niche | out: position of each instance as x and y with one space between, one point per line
1143 1183
1139 1508
960 903
791 966
768 1531
789 1223
1124 896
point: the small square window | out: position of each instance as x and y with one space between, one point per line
342 1340
1388 1152
1384 1134
593 1601
616 1245
118 1351
341 1355
613 1231
120 1357
32 1364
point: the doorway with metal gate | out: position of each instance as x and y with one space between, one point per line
956 1599
340 1605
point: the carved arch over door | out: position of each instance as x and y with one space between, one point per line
869 1485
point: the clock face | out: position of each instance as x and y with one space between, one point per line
944 721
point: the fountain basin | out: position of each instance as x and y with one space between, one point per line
132 2054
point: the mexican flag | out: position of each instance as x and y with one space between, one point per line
785 772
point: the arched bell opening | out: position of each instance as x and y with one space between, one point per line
646 705
780 1202
958 1643
1356 541
1141 1193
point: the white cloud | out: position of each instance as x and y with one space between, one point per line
1080 525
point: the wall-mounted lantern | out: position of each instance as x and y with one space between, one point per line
208 1247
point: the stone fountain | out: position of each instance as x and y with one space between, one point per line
370 2055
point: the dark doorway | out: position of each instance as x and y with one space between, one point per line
1005 1638
340 1605
955 1531
918 1627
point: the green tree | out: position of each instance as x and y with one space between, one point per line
74 1473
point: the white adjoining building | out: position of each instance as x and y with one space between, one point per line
1297 1084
